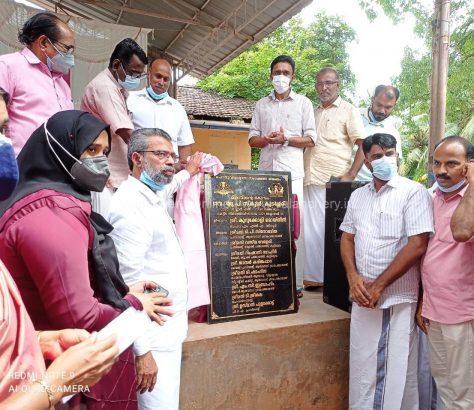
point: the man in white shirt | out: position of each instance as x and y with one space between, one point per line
148 247
377 119
152 107
385 232
282 127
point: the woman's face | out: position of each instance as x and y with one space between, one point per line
98 148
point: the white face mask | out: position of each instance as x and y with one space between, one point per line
281 83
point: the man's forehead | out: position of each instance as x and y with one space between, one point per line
451 148
160 66
327 75
376 149
283 65
158 142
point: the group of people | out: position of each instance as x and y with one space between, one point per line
124 155
394 233
86 229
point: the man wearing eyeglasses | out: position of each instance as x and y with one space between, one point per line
106 98
339 127
34 76
148 247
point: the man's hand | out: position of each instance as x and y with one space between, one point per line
54 343
375 290
422 322
357 291
140 287
147 370
155 305
194 163
276 137
347 177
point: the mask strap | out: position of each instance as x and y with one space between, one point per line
48 136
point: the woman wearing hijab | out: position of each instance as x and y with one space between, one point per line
58 251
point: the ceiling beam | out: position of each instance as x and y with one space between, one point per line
133 10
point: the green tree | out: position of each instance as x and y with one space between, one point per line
322 43
414 79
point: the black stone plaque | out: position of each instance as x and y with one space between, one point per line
248 235
336 287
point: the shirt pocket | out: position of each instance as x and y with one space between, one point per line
443 229
390 225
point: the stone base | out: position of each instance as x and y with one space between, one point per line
289 362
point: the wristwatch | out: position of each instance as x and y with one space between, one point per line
286 142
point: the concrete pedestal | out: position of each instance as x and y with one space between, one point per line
290 362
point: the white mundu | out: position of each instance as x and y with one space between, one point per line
166 114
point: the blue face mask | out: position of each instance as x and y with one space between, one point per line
155 96
8 168
384 168
453 188
145 178
130 83
61 62
371 116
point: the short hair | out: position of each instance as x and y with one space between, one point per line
4 95
468 147
43 23
383 140
125 50
389 91
139 141
327 70
283 59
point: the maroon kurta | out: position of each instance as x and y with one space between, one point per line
45 243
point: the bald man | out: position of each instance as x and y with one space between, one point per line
152 107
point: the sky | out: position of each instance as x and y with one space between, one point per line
375 58
376 55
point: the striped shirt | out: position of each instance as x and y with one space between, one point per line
382 222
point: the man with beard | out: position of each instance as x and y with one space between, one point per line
377 119
148 247
446 308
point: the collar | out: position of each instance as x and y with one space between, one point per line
438 193
337 102
149 194
144 94
31 57
291 96
395 182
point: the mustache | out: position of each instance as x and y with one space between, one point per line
167 169
442 176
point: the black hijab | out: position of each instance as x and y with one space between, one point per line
39 169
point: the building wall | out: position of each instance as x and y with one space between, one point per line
230 146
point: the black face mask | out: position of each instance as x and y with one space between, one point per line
89 174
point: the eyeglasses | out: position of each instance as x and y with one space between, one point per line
134 75
326 83
69 49
164 155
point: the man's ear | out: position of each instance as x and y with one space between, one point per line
367 164
43 42
137 160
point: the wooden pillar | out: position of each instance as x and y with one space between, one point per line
439 77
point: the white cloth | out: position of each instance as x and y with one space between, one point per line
387 126
314 210
452 363
167 114
165 395
383 358
148 249
295 114
382 222
297 189
101 201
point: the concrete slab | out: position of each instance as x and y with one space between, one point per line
290 362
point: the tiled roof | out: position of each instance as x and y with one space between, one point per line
198 103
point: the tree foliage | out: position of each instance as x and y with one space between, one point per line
414 79
323 43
